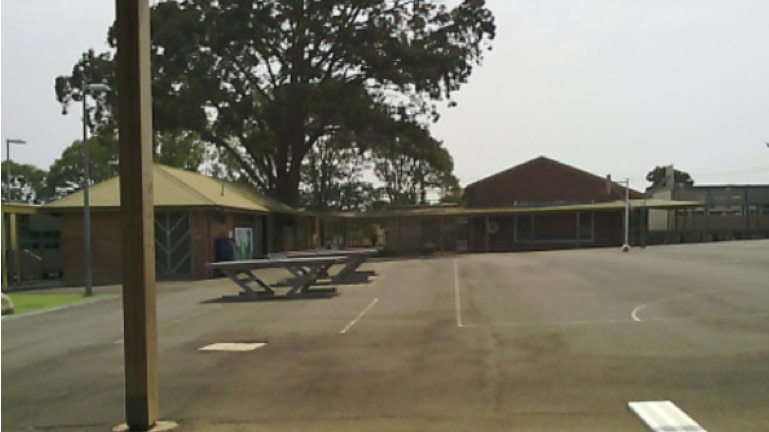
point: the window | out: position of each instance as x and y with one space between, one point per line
586 226
555 227
523 228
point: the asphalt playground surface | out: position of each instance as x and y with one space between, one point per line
548 341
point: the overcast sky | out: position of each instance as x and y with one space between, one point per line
610 86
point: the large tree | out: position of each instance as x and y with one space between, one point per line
183 150
266 80
180 150
66 173
333 175
411 165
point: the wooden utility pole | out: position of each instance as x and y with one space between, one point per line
137 214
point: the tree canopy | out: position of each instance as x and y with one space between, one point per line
411 166
27 183
657 178
333 176
268 80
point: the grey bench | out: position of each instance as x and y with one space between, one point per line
350 273
305 270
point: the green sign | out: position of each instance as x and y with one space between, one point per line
244 243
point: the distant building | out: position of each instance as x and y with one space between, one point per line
544 183
540 204
731 212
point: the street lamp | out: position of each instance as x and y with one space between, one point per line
626 244
8 143
96 88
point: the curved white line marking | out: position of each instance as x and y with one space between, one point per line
623 321
643 306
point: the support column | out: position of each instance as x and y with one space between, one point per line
675 225
707 237
399 246
317 232
15 245
6 242
576 230
486 232
440 223
471 245
137 213
271 227
323 232
298 242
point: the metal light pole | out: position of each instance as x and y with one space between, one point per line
88 282
626 245
645 226
8 143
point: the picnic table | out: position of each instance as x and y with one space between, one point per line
350 273
306 271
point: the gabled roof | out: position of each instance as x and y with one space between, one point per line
173 187
617 189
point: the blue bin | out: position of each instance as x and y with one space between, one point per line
224 249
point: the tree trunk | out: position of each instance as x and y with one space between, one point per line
287 190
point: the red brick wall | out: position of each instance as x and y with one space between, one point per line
202 244
105 247
106 240
221 224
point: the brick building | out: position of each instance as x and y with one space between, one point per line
538 205
191 212
730 212
584 219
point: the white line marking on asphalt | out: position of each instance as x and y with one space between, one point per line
233 346
360 315
620 321
184 318
561 323
457 301
664 416
639 308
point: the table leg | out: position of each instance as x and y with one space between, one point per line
297 271
302 286
349 270
243 283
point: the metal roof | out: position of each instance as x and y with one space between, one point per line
20 208
660 204
174 187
